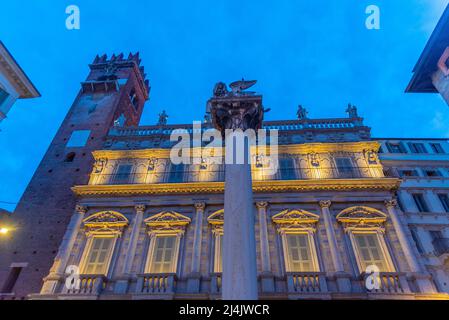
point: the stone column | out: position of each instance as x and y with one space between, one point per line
423 281
237 115
193 282
121 285
342 278
267 279
57 271
239 243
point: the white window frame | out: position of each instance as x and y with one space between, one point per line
366 220
88 248
151 251
382 244
311 248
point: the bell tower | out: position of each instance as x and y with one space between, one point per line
113 94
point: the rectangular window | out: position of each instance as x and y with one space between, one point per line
416 240
11 280
444 198
299 253
287 169
437 148
345 167
408 173
400 205
395 147
432 173
370 251
99 255
78 138
163 255
417 147
420 202
176 173
123 174
3 96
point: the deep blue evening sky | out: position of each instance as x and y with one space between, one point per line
317 53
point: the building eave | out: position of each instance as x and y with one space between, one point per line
16 74
421 81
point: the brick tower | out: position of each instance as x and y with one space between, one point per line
112 95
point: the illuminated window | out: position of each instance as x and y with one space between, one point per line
165 230
163 254
97 255
369 251
299 253
365 228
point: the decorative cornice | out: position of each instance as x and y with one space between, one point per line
258 187
289 149
216 218
15 75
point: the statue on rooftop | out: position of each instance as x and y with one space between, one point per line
237 88
163 116
352 111
302 113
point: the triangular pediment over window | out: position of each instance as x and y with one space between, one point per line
106 218
167 218
367 214
216 218
295 216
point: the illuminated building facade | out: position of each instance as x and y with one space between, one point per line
136 226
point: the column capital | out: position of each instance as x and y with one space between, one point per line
200 205
325 203
261 204
392 203
80 209
140 208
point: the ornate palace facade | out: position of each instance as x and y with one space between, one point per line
136 226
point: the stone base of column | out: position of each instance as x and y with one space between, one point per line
267 282
423 282
343 281
193 283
